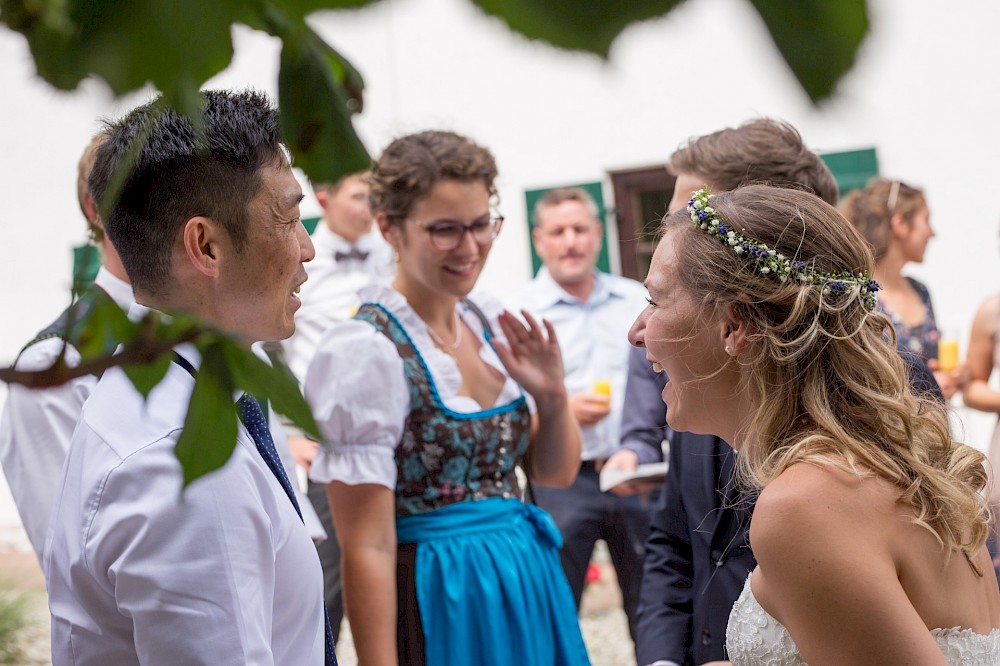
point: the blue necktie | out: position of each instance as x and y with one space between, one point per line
256 424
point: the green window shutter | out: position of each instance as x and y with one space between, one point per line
852 168
310 223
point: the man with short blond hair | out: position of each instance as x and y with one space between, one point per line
37 423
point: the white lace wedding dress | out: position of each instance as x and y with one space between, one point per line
754 638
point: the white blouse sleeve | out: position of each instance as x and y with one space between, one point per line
360 398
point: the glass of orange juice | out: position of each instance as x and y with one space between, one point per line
948 350
602 387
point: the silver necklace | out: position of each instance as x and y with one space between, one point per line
447 348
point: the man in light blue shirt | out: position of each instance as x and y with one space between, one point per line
592 312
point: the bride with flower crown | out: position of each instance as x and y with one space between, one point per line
870 524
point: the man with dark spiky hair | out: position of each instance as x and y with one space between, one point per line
139 569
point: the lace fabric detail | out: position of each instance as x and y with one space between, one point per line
966 647
755 638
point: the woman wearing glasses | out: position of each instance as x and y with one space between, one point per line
424 419
895 220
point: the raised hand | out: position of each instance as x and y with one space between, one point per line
532 356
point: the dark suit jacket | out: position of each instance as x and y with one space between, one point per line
697 557
697 554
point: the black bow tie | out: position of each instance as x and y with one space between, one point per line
353 253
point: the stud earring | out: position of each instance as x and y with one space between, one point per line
729 350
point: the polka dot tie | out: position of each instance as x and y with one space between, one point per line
253 418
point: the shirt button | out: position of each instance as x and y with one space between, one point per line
503 450
506 495
499 484
718 557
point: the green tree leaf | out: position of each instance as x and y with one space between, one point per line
209 435
145 376
173 45
274 382
819 39
102 326
572 24
318 92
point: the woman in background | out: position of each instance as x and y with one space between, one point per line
420 402
895 220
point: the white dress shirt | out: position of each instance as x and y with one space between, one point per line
330 295
140 571
593 337
37 424
361 398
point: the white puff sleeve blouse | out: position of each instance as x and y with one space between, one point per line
361 399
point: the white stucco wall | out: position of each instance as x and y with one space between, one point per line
923 92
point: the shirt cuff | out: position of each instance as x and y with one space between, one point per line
355 464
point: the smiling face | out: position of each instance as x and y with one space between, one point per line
257 287
688 344
425 271
567 239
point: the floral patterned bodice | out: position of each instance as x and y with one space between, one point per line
446 457
922 339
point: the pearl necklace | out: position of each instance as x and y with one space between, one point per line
451 348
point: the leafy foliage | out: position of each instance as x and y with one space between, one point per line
209 433
819 39
572 24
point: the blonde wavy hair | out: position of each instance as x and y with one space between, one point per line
830 388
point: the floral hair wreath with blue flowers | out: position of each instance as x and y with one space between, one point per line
771 262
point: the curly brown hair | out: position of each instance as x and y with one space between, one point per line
411 165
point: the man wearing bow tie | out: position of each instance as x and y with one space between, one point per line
348 257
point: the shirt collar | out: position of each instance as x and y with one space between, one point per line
328 242
119 290
549 293
186 349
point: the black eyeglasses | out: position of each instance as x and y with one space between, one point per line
448 234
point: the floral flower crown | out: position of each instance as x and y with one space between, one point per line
771 262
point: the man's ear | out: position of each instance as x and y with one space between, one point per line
323 197
91 212
536 234
735 330
201 238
